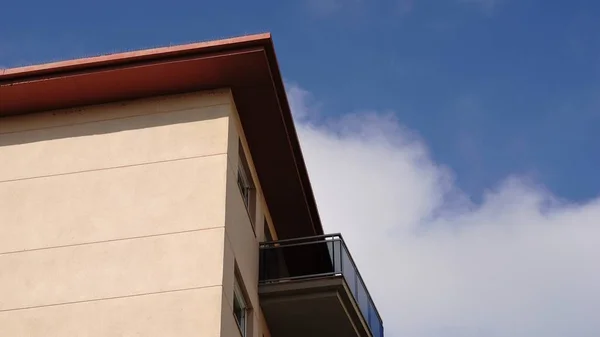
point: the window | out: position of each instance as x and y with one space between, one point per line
246 185
240 308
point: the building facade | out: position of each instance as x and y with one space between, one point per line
163 193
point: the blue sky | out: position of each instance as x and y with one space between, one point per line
494 87
467 128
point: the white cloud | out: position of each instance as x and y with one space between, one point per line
302 101
523 263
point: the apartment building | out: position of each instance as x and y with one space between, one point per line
162 193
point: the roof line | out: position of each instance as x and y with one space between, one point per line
143 54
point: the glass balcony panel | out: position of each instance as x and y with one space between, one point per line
323 256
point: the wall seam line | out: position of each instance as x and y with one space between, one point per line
109 298
109 119
110 240
114 167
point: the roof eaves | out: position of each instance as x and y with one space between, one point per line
90 63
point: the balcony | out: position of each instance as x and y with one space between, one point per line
311 287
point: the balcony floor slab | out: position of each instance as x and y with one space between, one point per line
321 307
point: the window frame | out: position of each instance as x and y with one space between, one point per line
239 296
247 186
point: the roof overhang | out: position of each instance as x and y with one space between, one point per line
247 65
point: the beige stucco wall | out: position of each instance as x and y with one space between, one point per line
113 220
241 241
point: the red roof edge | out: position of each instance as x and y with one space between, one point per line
89 63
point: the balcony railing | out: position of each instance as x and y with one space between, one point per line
323 256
